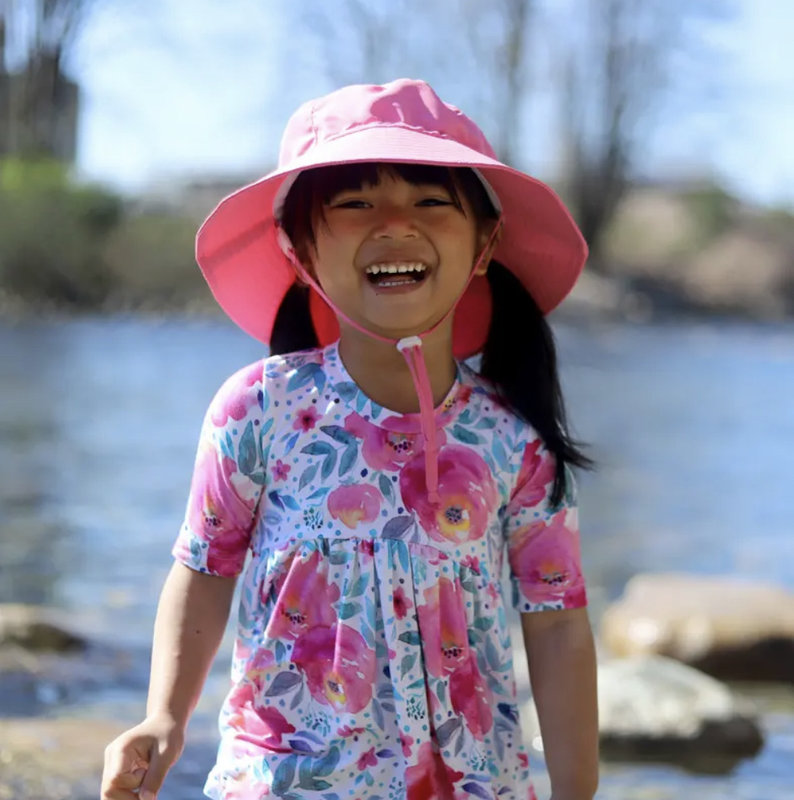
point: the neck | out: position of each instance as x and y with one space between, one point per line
382 374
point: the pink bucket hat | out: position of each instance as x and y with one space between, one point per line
241 256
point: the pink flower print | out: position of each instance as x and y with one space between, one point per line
305 600
280 470
366 547
544 557
493 592
402 605
430 778
235 398
536 473
306 419
261 727
367 759
473 563
339 667
523 759
381 449
406 741
346 731
218 514
467 490
471 697
355 504
442 624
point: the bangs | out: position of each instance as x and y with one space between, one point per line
314 188
330 181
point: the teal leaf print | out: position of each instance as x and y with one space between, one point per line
308 476
369 637
475 637
329 462
465 435
246 456
259 478
370 608
347 610
283 683
327 764
227 446
359 586
483 623
386 488
446 731
348 459
486 423
465 417
318 449
297 699
397 527
304 375
410 637
361 401
459 746
347 390
441 691
509 710
264 430
290 502
321 492
340 557
339 434
385 691
302 747
272 517
376 409
492 654
284 775
291 442
407 664
499 454
275 498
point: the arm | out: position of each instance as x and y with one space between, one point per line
191 619
562 668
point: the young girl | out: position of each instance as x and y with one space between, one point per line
377 481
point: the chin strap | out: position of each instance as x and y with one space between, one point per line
411 349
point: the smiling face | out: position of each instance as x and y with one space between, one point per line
393 247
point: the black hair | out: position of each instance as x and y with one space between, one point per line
519 358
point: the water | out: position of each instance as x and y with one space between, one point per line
692 426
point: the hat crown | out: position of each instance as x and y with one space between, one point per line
402 103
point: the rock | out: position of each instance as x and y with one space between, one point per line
35 628
731 629
656 709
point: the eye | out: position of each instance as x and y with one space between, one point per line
349 202
435 201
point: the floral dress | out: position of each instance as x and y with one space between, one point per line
372 657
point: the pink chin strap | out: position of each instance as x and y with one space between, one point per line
411 349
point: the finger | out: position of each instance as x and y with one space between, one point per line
159 764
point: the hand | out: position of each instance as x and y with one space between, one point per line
137 762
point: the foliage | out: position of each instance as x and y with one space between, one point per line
52 232
149 258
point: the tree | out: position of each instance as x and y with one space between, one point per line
618 65
36 38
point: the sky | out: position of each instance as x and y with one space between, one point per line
173 89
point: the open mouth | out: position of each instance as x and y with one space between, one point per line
402 273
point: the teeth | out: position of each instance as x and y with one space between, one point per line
377 269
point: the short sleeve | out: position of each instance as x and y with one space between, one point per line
228 479
543 540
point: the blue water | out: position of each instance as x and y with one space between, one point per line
692 425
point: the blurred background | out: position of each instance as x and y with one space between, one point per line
665 126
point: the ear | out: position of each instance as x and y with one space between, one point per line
488 239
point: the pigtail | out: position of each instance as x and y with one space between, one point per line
520 360
293 328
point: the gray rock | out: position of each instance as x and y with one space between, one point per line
729 628
36 629
657 709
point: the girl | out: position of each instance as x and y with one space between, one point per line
377 481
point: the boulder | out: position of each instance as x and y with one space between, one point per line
37 629
656 709
729 628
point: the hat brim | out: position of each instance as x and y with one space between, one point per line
238 251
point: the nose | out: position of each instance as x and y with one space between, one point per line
395 222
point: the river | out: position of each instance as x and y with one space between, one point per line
691 423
